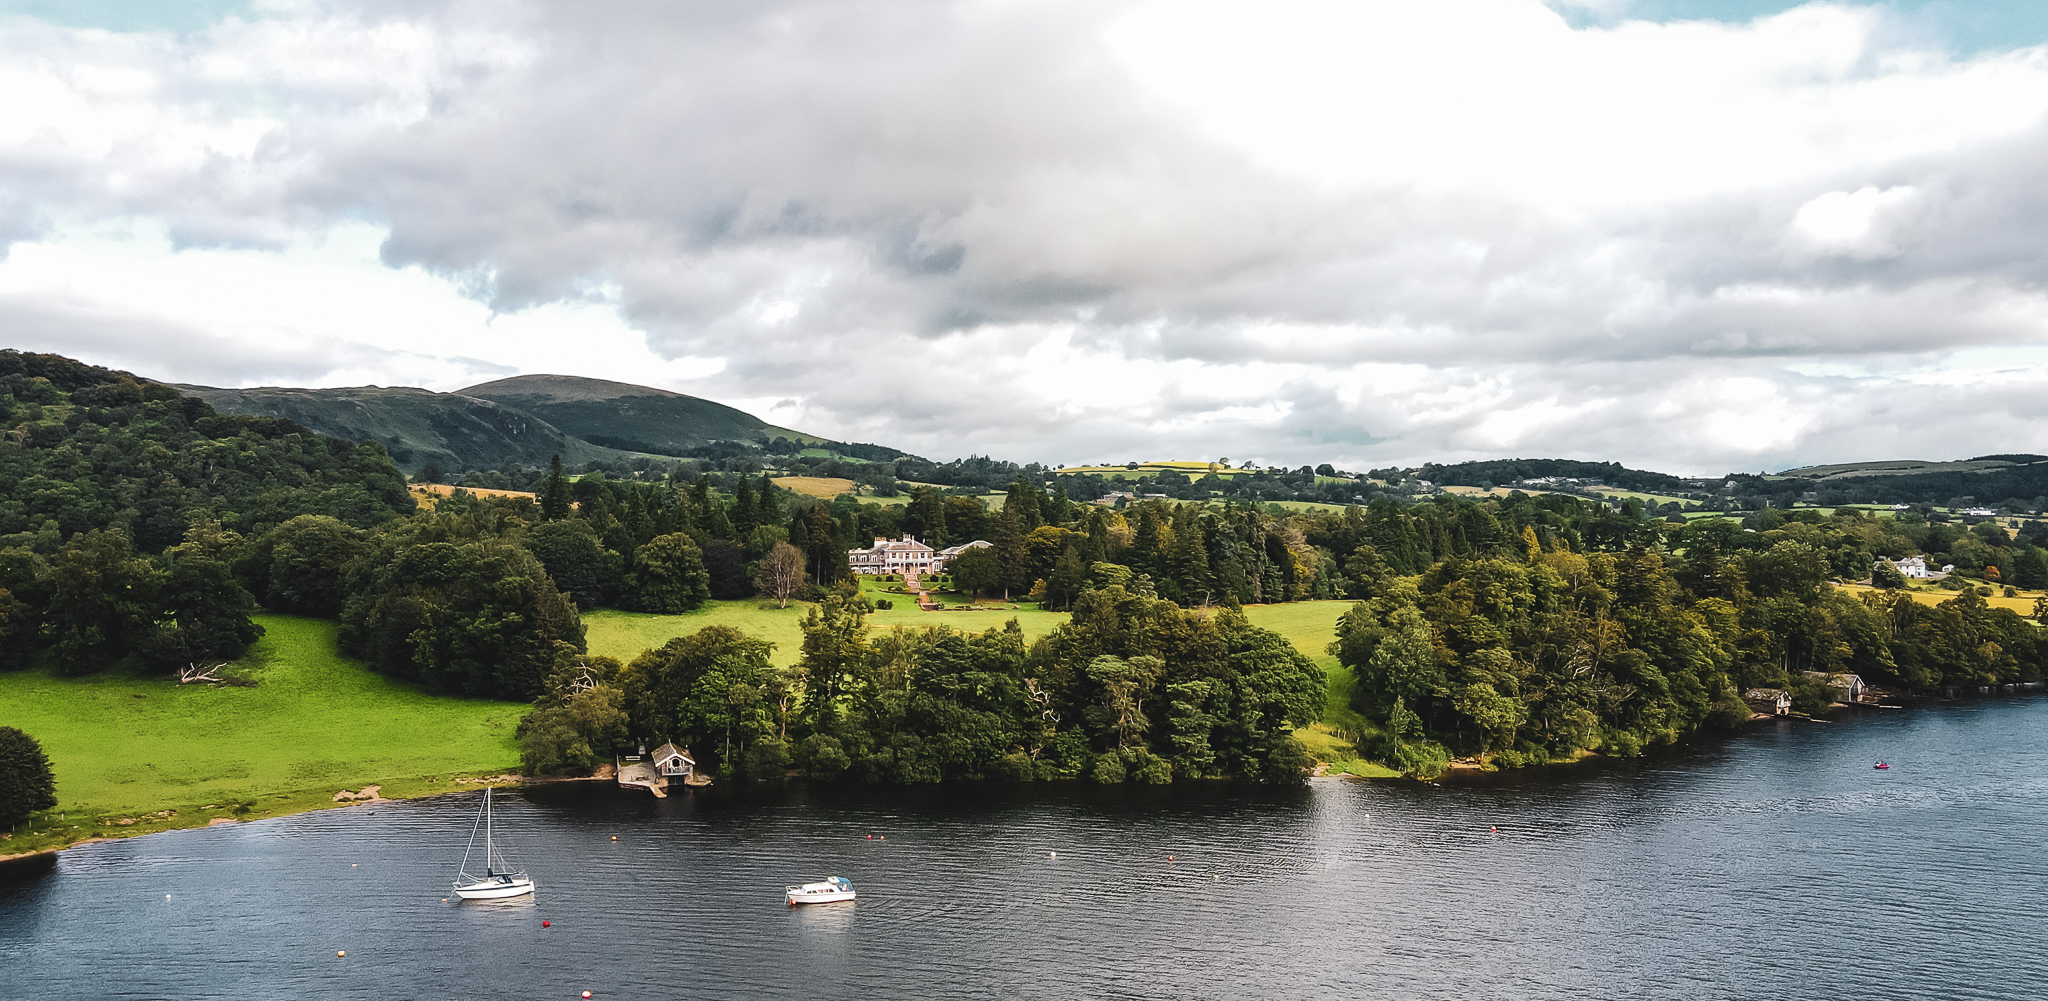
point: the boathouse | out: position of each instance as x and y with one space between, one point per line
1769 701
673 762
1846 687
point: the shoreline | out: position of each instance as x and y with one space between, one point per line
299 801
302 801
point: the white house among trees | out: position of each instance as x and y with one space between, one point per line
904 555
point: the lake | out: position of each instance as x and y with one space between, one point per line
1774 864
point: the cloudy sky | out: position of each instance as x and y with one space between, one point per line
1690 235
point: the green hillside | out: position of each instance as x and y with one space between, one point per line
416 426
633 418
1911 467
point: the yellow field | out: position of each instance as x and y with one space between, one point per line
430 494
826 487
2024 604
1192 470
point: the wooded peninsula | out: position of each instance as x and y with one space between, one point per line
143 534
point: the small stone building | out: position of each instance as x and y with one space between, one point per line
1771 701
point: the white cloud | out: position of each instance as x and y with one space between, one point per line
1307 230
1866 223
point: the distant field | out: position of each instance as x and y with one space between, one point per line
2024 604
1192 470
314 723
1895 467
1310 625
430 494
815 486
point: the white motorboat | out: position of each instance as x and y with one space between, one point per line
828 890
500 877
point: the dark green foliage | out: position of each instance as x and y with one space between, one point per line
97 449
577 561
301 566
573 733
976 570
554 501
480 618
705 691
26 782
102 602
668 575
203 611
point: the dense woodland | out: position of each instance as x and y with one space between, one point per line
142 530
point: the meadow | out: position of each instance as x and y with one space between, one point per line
2024 604
159 755
315 722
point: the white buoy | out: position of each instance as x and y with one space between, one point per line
167 896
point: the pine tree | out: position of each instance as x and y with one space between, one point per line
770 512
1188 560
26 782
1010 552
743 511
554 503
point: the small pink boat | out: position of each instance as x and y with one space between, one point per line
1881 766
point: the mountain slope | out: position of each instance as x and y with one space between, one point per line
628 417
416 426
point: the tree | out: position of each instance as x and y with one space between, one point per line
480 618
781 574
726 562
577 734
975 570
1887 576
26 782
204 610
301 566
668 575
431 473
577 562
102 601
554 502
1011 554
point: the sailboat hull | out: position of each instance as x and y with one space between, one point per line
493 890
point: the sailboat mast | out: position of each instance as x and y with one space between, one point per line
490 857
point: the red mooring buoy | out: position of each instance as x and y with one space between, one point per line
545 924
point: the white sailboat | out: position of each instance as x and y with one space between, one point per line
500 877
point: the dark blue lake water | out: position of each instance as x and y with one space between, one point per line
1777 864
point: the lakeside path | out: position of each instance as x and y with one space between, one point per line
129 748
162 756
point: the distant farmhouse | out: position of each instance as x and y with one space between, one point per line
1915 567
906 555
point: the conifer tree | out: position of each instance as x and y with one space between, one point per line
743 510
770 512
554 503
26 782
1010 552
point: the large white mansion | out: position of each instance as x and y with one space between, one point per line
905 555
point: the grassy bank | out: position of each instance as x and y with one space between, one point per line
316 722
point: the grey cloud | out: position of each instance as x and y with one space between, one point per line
837 196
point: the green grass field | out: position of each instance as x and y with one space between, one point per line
315 722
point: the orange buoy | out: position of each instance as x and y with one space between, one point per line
338 953
1169 858
615 837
